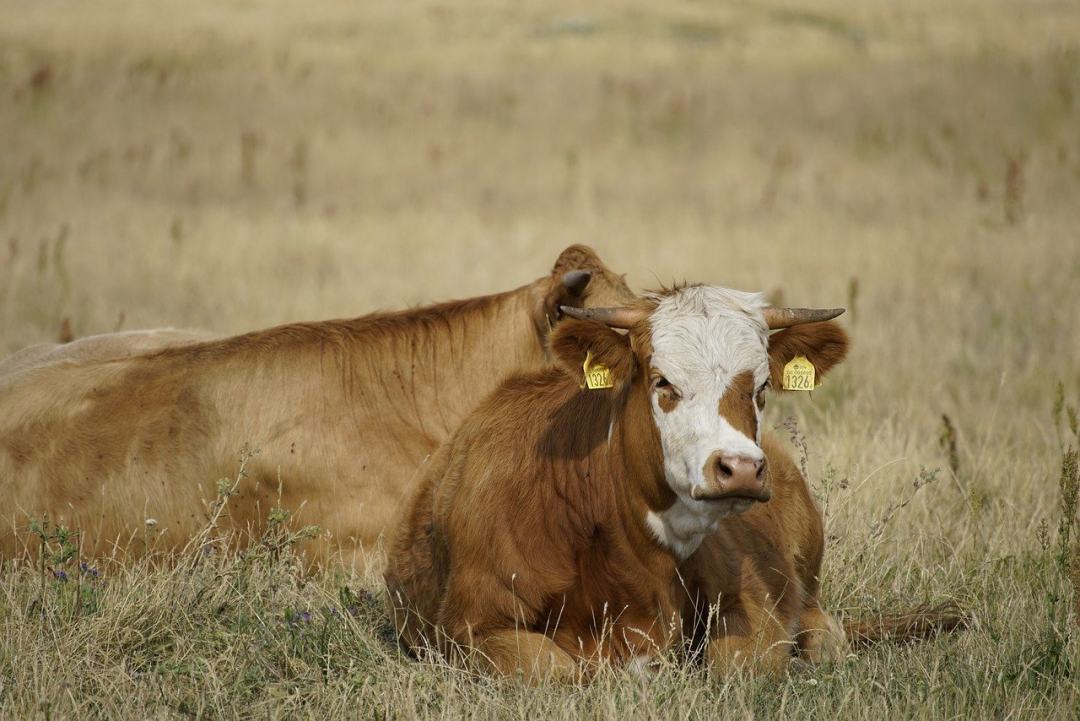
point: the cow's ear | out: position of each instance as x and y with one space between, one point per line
569 288
577 276
608 352
823 344
574 276
568 284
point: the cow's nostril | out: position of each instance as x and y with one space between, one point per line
761 470
725 469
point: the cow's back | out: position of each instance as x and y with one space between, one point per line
107 346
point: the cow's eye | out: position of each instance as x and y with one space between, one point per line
663 386
667 395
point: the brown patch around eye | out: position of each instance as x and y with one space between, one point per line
737 404
667 398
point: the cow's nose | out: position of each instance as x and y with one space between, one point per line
732 476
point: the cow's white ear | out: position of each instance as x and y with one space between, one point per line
823 344
574 341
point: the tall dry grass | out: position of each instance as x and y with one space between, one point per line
234 165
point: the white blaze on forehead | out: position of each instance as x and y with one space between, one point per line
704 330
702 337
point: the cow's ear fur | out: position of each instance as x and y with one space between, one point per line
576 257
823 344
573 340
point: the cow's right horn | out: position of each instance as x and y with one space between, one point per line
614 317
777 318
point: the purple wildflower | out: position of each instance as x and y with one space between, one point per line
88 570
60 575
295 618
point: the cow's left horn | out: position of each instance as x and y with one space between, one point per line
613 317
576 281
777 318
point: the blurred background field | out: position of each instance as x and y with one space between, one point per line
231 164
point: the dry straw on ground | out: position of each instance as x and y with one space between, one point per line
230 165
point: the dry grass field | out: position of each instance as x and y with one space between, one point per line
233 164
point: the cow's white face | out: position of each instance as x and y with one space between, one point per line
709 355
708 372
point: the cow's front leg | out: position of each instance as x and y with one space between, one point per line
759 646
821 638
731 654
533 656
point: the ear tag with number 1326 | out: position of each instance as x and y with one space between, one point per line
597 375
798 374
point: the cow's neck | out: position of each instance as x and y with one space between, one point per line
650 494
625 469
595 499
404 379
434 364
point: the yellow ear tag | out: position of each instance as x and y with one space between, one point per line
597 375
799 374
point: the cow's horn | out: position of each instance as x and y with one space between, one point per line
613 317
576 280
786 317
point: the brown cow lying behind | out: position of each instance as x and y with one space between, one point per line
101 437
548 533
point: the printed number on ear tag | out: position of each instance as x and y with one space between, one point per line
799 374
597 375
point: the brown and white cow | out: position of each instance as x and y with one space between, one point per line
342 413
551 530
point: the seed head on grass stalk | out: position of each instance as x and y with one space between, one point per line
1069 485
949 445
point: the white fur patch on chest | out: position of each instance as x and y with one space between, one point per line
682 527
